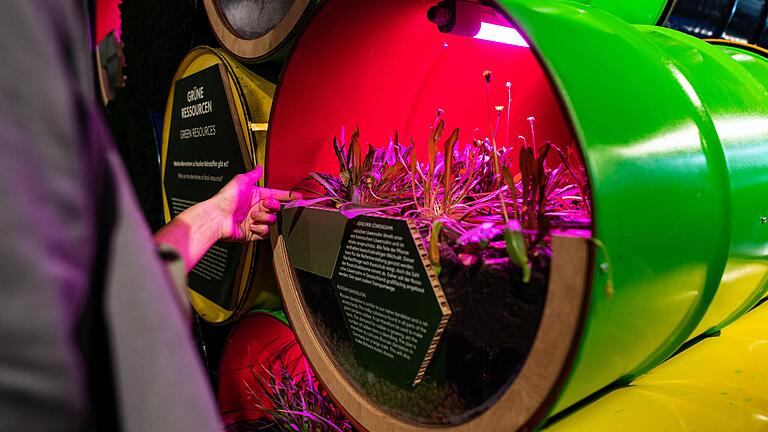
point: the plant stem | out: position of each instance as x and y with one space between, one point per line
496 165
509 109
533 136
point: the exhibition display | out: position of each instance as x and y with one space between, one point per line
663 166
511 210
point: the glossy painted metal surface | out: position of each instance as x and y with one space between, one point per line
762 40
660 187
718 384
736 104
736 20
633 11
752 58
747 20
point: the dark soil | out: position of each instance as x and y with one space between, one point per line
494 322
492 307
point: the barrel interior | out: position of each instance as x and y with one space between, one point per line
256 30
253 19
386 70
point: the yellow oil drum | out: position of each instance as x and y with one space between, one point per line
718 384
215 128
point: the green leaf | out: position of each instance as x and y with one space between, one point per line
448 146
512 189
434 246
354 158
368 161
517 251
434 135
412 175
339 155
329 187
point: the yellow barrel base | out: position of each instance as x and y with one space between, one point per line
718 384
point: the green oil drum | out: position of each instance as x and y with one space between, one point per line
741 118
672 131
634 11
735 20
667 126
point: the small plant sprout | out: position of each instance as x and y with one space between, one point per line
439 115
434 246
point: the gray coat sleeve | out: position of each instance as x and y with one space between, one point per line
45 226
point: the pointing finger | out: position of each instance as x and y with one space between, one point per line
280 195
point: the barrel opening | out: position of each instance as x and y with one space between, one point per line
251 20
392 73
256 31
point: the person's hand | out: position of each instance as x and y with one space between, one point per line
246 210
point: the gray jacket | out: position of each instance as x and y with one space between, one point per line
54 156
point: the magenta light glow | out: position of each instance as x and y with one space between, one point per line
501 34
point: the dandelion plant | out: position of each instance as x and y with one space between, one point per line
465 192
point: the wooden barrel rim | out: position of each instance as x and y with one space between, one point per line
523 403
258 48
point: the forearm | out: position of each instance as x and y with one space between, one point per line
192 232
241 211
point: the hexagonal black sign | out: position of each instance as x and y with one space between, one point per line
393 306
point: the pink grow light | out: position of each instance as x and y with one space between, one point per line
501 34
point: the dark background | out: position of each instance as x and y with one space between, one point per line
157 35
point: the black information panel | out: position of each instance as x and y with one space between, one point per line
203 154
389 301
